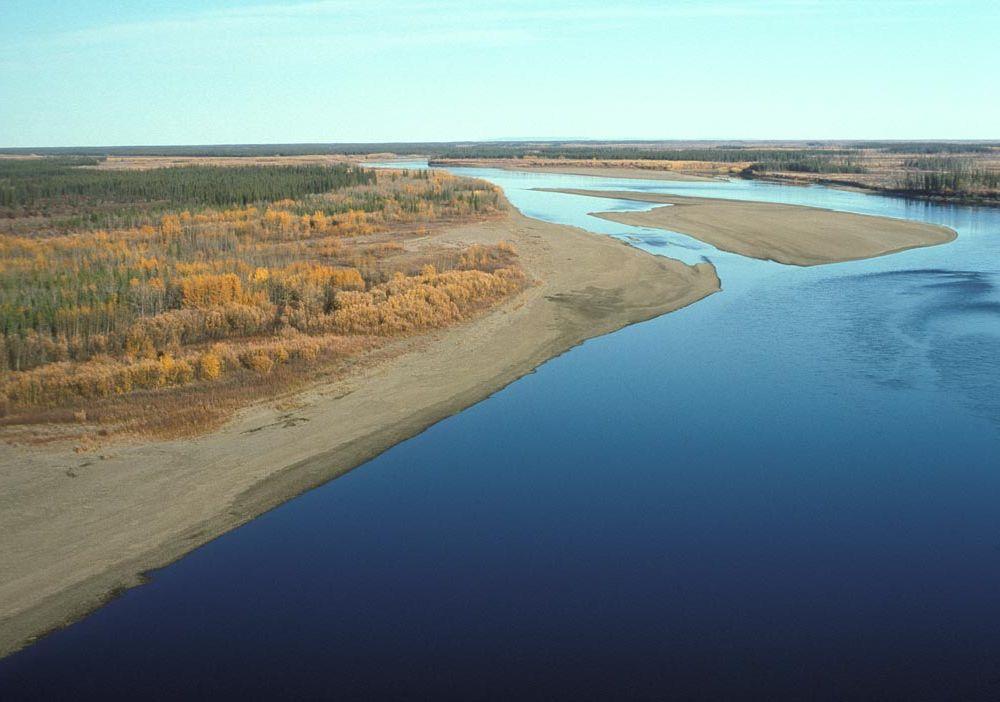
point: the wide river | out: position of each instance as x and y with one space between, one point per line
789 490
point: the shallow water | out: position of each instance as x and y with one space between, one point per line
785 491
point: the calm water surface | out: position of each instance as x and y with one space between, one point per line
786 491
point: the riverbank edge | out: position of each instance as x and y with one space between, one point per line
564 301
577 170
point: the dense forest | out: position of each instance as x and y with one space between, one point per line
198 293
67 183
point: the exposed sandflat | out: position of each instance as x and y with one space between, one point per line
612 172
793 234
76 527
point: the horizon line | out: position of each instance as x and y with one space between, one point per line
511 140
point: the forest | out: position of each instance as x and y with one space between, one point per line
961 179
268 273
45 186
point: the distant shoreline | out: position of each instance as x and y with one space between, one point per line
703 171
582 168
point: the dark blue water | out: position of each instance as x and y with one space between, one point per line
787 491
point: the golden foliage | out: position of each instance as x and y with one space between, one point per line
207 290
259 363
424 301
170 225
192 299
209 366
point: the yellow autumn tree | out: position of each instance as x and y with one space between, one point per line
207 290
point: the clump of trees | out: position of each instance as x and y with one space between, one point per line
798 163
195 296
963 176
952 182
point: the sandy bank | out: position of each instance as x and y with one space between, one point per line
793 234
584 170
74 528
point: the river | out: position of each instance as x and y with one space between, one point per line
785 491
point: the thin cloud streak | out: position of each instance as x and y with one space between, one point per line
424 19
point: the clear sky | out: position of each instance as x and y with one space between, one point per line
80 72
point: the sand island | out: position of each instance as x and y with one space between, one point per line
791 234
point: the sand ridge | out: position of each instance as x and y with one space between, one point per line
791 234
599 171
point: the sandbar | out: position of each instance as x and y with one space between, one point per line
790 234
599 171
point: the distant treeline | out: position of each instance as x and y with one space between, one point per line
948 175
929 147
631 153
40 183
806 164
941 163
235 150
952 182
55 165
579 149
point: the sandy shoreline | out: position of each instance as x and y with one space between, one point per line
77 528
790 234
527 166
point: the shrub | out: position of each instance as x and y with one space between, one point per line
209 366
258 362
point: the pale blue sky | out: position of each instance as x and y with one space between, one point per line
78 72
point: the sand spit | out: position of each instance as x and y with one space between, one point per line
599 171
792 234
77 528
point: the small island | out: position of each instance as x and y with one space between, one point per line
791 234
